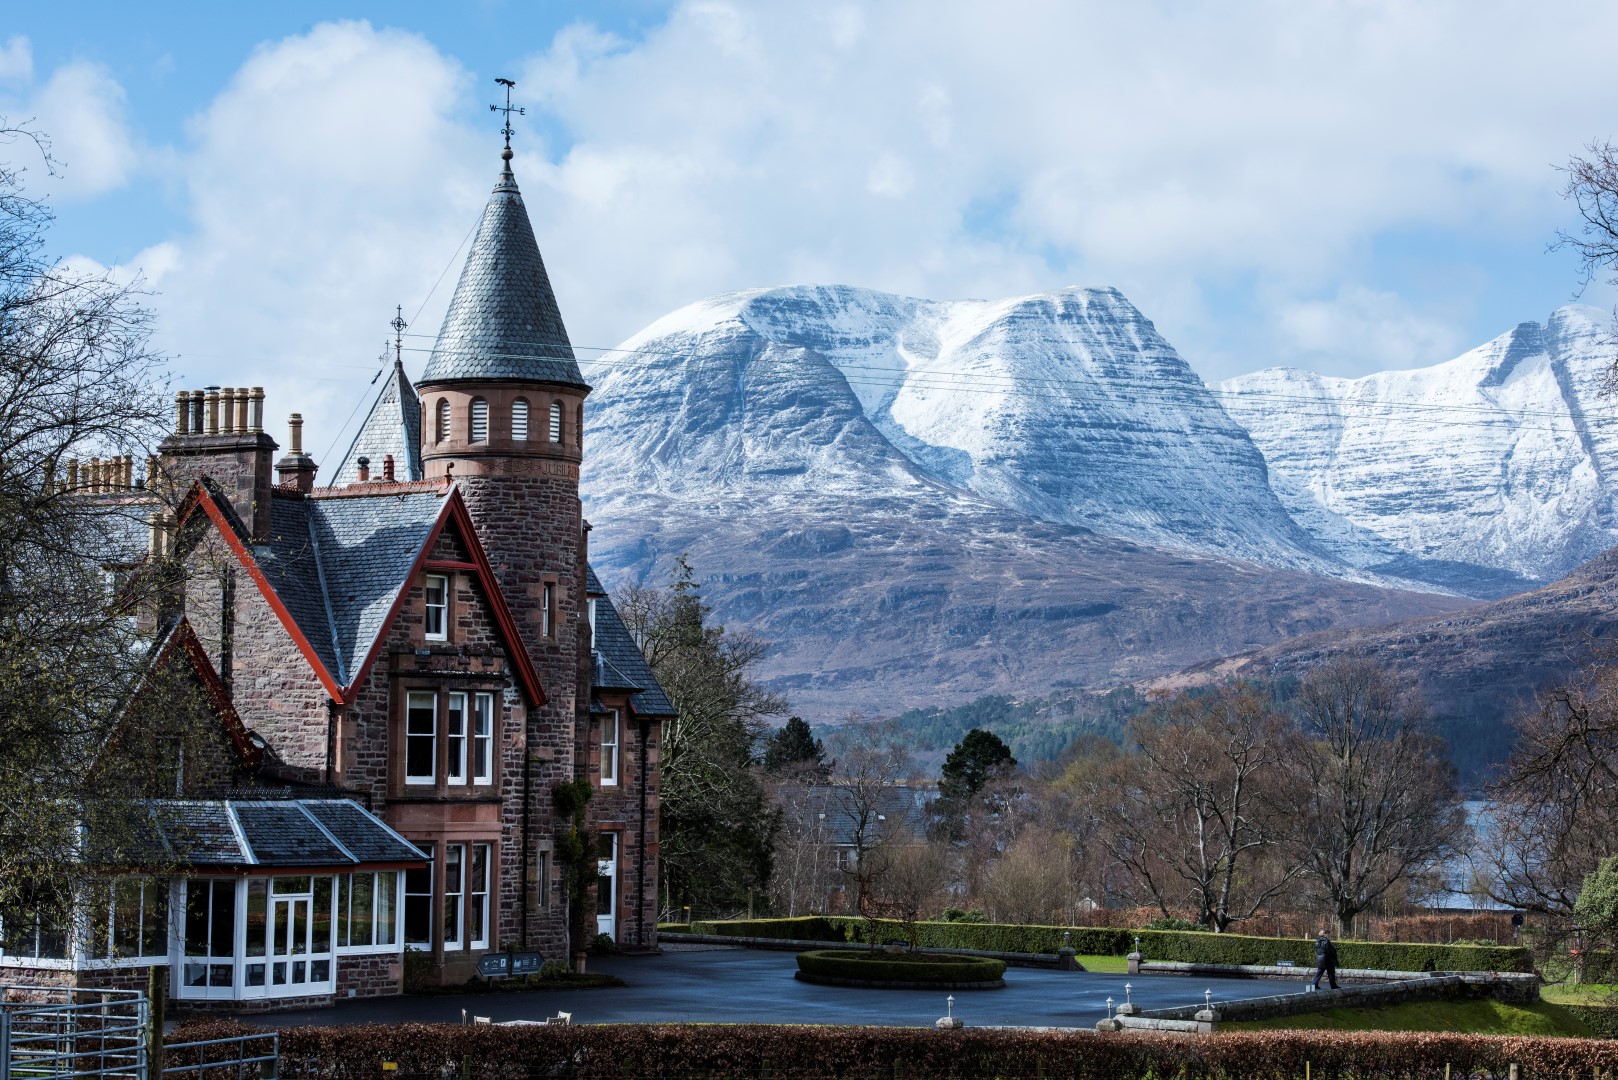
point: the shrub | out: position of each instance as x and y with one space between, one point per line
587 1052
901 967
1188 946
1170 922
955 914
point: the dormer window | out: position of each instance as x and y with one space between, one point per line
435 595
519 421
441 429
556 421
480 420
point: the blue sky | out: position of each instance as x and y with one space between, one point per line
1341 187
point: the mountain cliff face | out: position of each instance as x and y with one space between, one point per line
920 501
1488 473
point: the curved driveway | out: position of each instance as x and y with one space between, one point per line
745 986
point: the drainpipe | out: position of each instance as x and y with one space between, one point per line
331 742
640 867
527 815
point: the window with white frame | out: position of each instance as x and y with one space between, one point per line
130 918
209 936
418 907
609 749
421 737
455 738
556 422
482 738
519 421
435 604
480 420
366 915
477 898
590 616
454 896
34 924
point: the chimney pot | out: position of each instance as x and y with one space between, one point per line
151 472
227 398
295 433
387 467
256 397
242 397
213 409
365 468
197 407
73 474
182 413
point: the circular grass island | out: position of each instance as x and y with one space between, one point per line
900 971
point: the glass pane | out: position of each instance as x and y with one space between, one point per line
154 923
103 899
222 934
454 887
257 898
292 886
360 905
320 917
278 939
127 907
455 733
603 895
196 974
280 970
196 918
319 970
344 886
383 920
298 969
300 926
483 737
480 892
418 911
255 974
220 975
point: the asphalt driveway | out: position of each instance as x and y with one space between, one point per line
746 986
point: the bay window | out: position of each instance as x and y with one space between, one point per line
454 895
477 901
418 908
421 737
450 738
483 739
455 737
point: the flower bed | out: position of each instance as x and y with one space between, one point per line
839 967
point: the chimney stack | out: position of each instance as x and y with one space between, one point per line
216 435
387 467
365 468
297 468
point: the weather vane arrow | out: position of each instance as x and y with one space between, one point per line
508 108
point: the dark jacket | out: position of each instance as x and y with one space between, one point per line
1325 952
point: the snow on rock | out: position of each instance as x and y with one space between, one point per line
1487 473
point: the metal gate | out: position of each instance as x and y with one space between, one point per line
56 1033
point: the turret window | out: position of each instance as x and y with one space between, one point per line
519 421
556 421
442 431
480 420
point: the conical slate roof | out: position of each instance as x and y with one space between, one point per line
503 324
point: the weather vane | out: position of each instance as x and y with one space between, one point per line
508 108
398 325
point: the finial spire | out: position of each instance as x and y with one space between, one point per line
508 108
398 325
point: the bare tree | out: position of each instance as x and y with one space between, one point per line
1192 811
803 867
1031 882
1555 813
1377 801
863 791
1592 185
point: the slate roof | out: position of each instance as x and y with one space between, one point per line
619 664
339 563
243 833
393 426
503 323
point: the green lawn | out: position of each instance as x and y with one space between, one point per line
1111 965
1583 994
1472 1017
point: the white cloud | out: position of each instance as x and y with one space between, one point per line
16 60
1364 330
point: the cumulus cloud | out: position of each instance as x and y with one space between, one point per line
16 60
82 110
939 148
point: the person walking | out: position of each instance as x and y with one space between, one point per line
1325 960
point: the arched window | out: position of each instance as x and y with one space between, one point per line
480 420
556 421
442 430
519 421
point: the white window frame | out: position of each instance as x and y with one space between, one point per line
483 738
429 609
455 738
609 748
454 906
386 912
431 735
477 893
404 901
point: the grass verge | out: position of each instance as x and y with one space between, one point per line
1471 1017
1109 965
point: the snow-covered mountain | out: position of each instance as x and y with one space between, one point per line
920 502
1488 473
1067 407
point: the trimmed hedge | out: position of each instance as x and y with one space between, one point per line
586 1052
1602 1020
909 968
1182 945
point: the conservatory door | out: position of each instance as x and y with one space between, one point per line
300 950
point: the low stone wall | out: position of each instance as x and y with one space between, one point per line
1510 987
